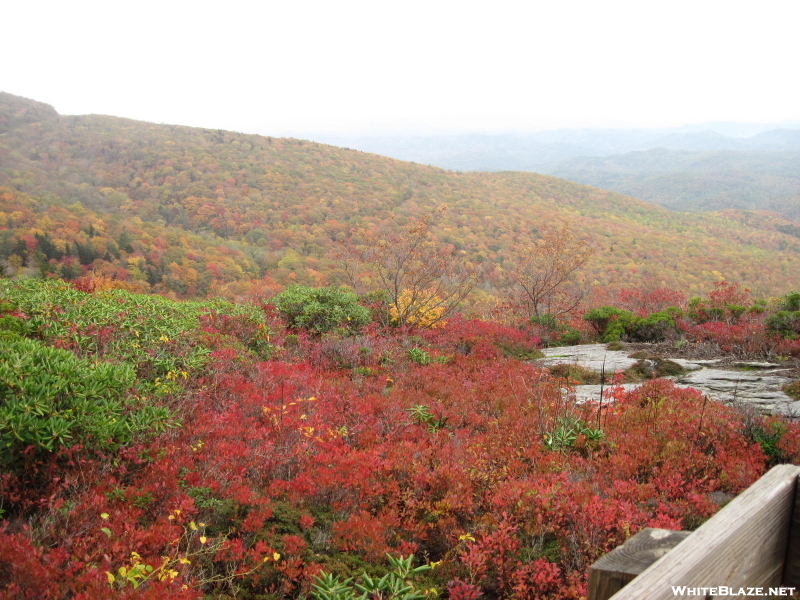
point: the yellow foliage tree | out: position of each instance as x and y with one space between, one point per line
426 312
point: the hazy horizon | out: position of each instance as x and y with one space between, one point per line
314 67
428 129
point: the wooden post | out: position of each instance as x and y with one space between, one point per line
611 572
743 545
791 572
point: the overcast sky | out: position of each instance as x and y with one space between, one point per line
369 65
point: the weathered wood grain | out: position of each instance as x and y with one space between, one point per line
743 545
613 571
791 572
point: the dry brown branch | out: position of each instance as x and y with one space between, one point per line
541 271
421 281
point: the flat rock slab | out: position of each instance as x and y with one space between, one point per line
595 356
760 386
763 390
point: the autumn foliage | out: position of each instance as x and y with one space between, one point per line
160 448
326 452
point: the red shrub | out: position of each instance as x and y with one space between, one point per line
285 467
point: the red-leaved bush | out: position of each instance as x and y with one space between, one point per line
338 450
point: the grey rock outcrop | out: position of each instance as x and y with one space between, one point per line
759 386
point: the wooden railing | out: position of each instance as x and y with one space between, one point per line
753 542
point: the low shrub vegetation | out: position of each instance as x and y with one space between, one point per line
320 310
162 449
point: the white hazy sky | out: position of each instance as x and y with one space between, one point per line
298 66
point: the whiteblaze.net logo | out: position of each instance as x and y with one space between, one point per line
722 590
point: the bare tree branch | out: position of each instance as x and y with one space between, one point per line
541 270
423 281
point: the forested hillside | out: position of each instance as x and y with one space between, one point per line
197 212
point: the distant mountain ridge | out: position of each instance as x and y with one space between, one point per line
477 151
690 181
697 169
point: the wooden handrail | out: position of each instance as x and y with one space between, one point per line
746 544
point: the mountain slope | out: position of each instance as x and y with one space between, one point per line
194 211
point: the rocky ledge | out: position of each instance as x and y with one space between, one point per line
753 383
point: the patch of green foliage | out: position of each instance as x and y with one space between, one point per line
601 318
154 333
419 356
569 337
422 357
791 302
397 584
569 430
668 368
51 399
614 324
423 416
792 389
786 320
785 323
556 333
654 327
651 367
768 435
320 310
9 321
365 371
